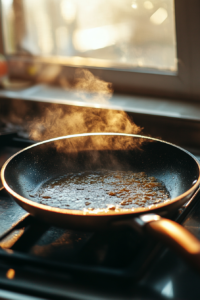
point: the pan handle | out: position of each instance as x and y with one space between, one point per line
172 234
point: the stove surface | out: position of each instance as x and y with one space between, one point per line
38 261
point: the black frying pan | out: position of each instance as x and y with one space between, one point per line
176 168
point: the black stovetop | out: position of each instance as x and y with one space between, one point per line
39 261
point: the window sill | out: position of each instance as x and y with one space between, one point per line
134 104
175 121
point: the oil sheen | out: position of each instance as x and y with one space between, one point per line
102 190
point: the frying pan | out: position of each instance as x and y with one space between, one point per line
175 167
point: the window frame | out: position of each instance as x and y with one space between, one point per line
183 85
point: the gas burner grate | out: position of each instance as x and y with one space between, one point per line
120 253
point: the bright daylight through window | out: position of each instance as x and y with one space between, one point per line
124 34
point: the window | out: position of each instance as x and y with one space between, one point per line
143 47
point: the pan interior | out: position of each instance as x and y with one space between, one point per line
101 190
168 164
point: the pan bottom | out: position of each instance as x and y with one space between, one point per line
101 190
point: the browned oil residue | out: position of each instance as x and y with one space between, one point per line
102 189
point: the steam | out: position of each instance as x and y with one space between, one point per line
68 120
85 81
75 120
54 120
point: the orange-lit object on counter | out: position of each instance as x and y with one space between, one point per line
3 66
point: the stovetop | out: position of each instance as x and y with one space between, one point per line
38 261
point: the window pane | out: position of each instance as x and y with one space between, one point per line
119 33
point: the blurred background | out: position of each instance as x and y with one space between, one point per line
119 33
